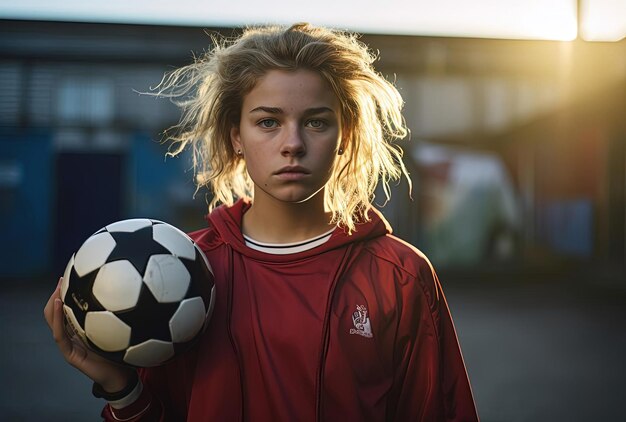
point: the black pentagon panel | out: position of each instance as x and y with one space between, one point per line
183 347
149 319
201 278
79 296
136 247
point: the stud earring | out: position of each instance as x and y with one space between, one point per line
239 153
340 152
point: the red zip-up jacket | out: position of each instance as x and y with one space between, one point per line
356 329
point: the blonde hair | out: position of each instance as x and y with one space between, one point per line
211 90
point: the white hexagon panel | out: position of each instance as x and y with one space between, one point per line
188 320
107 331
72 327
131 225
167 278
174 240
149 353
93 253
117 286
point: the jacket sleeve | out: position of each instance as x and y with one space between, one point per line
431 378
145 408
165 395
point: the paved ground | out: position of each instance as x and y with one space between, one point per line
544 351
535 351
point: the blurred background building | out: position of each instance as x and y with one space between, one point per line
516 151
517 155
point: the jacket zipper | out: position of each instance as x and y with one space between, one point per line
326 332
229 313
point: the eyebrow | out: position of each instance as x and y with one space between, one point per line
277 110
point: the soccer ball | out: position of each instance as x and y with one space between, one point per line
138 292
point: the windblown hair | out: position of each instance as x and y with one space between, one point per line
211 91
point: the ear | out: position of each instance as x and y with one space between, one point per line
345 140
235 138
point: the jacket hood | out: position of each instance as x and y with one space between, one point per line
226 222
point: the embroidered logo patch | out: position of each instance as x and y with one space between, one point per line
361 322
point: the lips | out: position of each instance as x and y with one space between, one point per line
292 174
292 170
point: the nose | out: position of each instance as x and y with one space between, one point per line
293 143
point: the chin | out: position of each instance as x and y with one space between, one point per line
297 197
294 199
290 194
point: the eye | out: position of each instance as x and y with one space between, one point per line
316 124
268 123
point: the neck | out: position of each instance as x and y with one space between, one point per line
272 221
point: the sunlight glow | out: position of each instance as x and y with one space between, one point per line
516 19
603 20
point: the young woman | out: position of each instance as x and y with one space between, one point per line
321 314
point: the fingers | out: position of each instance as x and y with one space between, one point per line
48 310
58 330
73 350
53 313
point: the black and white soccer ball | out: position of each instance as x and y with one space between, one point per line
138 292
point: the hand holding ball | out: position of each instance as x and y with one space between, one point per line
138 292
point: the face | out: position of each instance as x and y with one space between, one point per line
289 134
